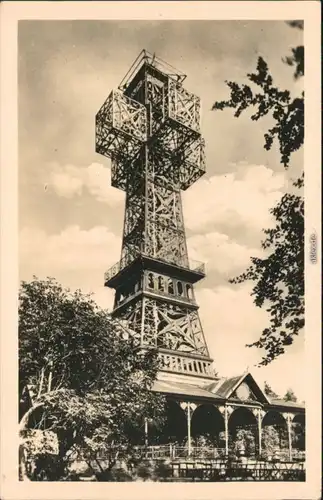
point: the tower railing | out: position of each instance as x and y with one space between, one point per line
193 265
152 60
181 364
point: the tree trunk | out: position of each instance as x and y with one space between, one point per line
23 426
23 476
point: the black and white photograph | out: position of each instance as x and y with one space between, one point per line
162 253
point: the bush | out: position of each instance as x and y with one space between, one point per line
263 456
117 475
144 471
162 471
120 475
245 439
232 457
284 455
270 439
47 467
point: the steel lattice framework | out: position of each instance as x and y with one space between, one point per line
150 128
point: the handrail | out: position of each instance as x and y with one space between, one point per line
153 60
197 453
193 265
119 266
175 451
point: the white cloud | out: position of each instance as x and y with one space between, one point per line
240 199
220 253
102 295
75 257
230 321
291 365
69 181
71 249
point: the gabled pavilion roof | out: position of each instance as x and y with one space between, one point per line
182 389
226 387
282 402
221 390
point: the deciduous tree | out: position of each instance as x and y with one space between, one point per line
279 276
268 391
290 396
81 374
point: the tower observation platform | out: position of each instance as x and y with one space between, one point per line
150 129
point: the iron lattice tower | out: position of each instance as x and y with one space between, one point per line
150 128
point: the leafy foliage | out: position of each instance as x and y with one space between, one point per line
297 60
290 396
144 471
279 277
287 113
245 438
270 439
90 383
298 436
268 391
296 23
162 471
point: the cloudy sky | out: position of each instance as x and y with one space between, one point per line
71 218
